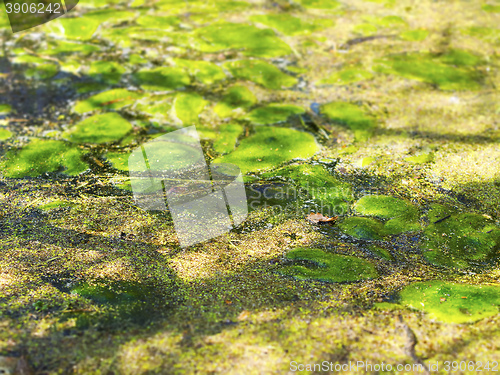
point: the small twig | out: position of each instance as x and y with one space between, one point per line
355 41
442 219
411 342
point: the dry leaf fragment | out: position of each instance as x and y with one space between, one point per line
320 218
243 315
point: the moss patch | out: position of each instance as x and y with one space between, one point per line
103 128
451 302
161 79
260 72
328 192
40 156
351 116
252 40
235 100
273 113
441 72
269 147
328 267
108 100
459 240
362 228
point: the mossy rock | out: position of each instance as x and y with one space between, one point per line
452 302
226 139
352 116
107 71
108 100
268 147
236 99
448 73
5 134
402 214
42 156
118 160
262 73
384 207
251 40
5 109
347 76
273 113
321 185
204 72
102 128
328 267
161 79
290 25
460 240
187 108
362 227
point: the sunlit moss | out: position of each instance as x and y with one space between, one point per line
351 116
102 128
260 72
112 99
273 113
270 146
40 156
451 302
236 98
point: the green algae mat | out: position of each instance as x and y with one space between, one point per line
367 137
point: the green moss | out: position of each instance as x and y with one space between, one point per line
187 108
428 68
321 185
328 267
421 159
203 71
5 109
491 8
109 16
403 215
102 128
108 100
459 240
5 134
384 207
347 76
269 147
107 71
158 22
77 28
118 160
227 137
231 36
320 4
236 99
416 35
351 116
362 228
63 47
160 79
41 156
54 204
290 25
452 303
260 72
155 106
273 113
